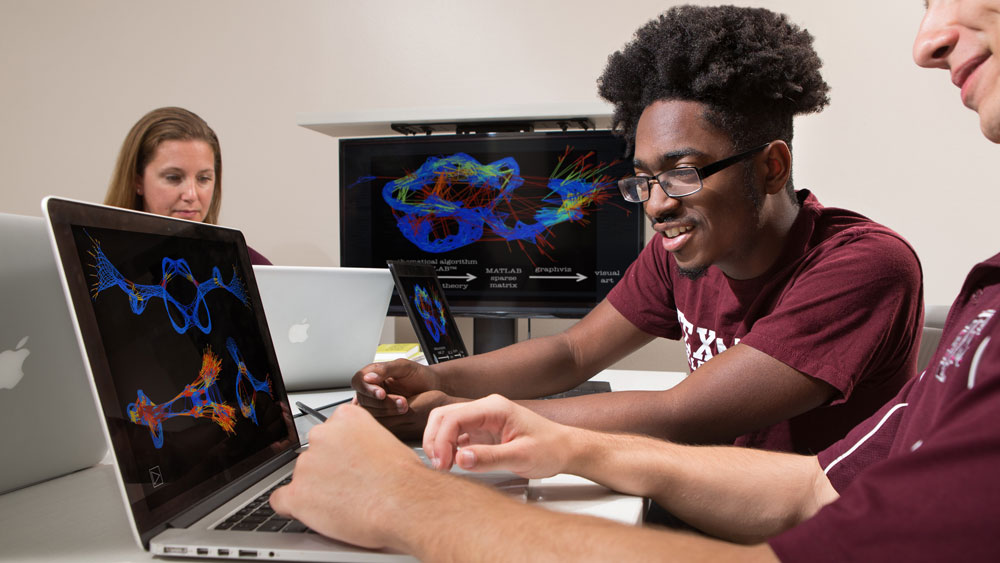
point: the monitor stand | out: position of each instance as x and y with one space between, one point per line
492 333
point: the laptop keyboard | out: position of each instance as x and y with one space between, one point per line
257 515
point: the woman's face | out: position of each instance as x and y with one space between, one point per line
179 181
963 37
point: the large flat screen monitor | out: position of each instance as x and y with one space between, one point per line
517 225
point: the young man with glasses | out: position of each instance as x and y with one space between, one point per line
917 481
798 320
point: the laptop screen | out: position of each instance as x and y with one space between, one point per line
179 349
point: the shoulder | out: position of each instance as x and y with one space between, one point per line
258 259
831 221
850 234
872 241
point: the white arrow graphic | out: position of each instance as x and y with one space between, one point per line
578 277
466 277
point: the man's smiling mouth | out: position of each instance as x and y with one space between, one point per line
674 231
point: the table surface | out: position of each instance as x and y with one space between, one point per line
81 517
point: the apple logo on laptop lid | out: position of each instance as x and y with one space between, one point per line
299 332
12 364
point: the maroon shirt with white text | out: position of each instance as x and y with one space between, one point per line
920 479
843 304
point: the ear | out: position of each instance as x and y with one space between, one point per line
138 185
778 163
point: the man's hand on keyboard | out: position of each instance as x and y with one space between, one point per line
352 463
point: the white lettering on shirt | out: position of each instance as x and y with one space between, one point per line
704 352
703 347
960 346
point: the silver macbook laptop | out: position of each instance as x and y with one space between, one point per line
325 322
47 413
191 396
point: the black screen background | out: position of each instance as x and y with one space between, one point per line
145 352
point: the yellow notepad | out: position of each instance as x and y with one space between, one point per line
407 350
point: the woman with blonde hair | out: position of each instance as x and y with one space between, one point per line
171 164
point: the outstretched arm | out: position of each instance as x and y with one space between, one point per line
389 500
738 391
737 494
528 369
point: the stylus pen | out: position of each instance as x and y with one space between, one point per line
306 409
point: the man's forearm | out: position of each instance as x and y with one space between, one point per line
640 412
545 365
713 405
448 519
528 369
651 413
734 493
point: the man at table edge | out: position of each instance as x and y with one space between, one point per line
800 319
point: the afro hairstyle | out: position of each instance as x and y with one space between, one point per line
753 69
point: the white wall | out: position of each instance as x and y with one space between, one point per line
895 143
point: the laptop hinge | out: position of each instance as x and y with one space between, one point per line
230 491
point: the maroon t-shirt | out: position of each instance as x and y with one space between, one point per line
843 304
920 479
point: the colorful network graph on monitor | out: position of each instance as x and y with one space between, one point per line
199 399
454 201
428 306
182 315
247 386
519 224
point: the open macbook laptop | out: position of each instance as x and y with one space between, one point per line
420 291
326 322
49 421
184 369
186 376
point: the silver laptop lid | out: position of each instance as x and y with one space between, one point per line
46 409
326 322
179 352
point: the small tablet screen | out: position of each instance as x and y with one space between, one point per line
423 298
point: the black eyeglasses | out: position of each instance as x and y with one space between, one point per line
679 182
